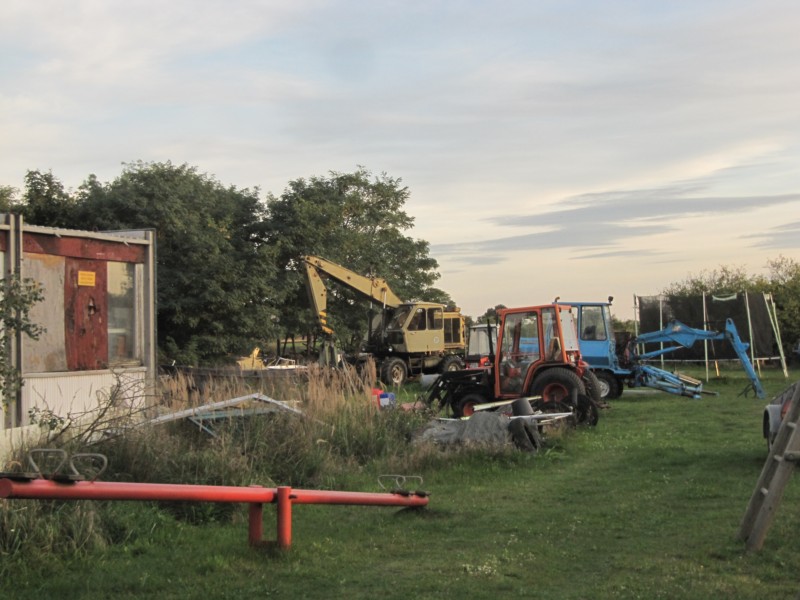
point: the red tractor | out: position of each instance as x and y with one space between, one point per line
537 358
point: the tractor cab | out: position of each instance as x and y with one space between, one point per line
530 340
537 359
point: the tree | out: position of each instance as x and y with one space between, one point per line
215 272
46 202
9 201
358 221
215 288
227 263
491 314
784 283
16 299
726 279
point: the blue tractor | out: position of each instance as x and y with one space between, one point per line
617 363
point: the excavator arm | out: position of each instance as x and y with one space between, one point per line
375 289
679 335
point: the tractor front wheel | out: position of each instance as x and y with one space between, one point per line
394 372
465 407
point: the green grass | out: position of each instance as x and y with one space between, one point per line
646 505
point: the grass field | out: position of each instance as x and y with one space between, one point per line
645 505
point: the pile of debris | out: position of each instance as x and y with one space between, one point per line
522 428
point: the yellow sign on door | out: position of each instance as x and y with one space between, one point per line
86 278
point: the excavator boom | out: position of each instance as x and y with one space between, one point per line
375 289
682 336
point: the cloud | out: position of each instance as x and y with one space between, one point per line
601 225
565 235
629 206
784 237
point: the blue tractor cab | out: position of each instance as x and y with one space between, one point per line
598 345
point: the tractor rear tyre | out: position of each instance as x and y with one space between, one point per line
465 407
450 363
587 412
610 388
593 386
555 386
393 372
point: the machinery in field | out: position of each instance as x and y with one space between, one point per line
481 342
405 338
677 335
537 359
617 365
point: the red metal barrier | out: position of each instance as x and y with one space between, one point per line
255 496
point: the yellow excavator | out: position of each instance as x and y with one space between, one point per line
408 339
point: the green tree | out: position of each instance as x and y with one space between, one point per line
9 201
491 314
784 283
724 280
215 272
16 299
215 287
355 220
46 202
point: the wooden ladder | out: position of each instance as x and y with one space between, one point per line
777 471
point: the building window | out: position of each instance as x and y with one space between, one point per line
121 312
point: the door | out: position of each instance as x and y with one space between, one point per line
85 314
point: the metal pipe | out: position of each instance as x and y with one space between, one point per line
45 489
255 523
284 532
357 498
254 496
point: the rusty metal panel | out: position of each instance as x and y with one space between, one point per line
85 314
48 353
77 247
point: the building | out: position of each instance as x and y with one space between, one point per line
98 313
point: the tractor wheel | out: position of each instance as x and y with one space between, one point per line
593 386
555 385
465 407
393 372
587 412
450 363
610 387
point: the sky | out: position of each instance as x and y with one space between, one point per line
577 149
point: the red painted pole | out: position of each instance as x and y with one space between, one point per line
110 490
46 489
284 517
255 531
255 496
358 498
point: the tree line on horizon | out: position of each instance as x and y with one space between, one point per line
228 260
